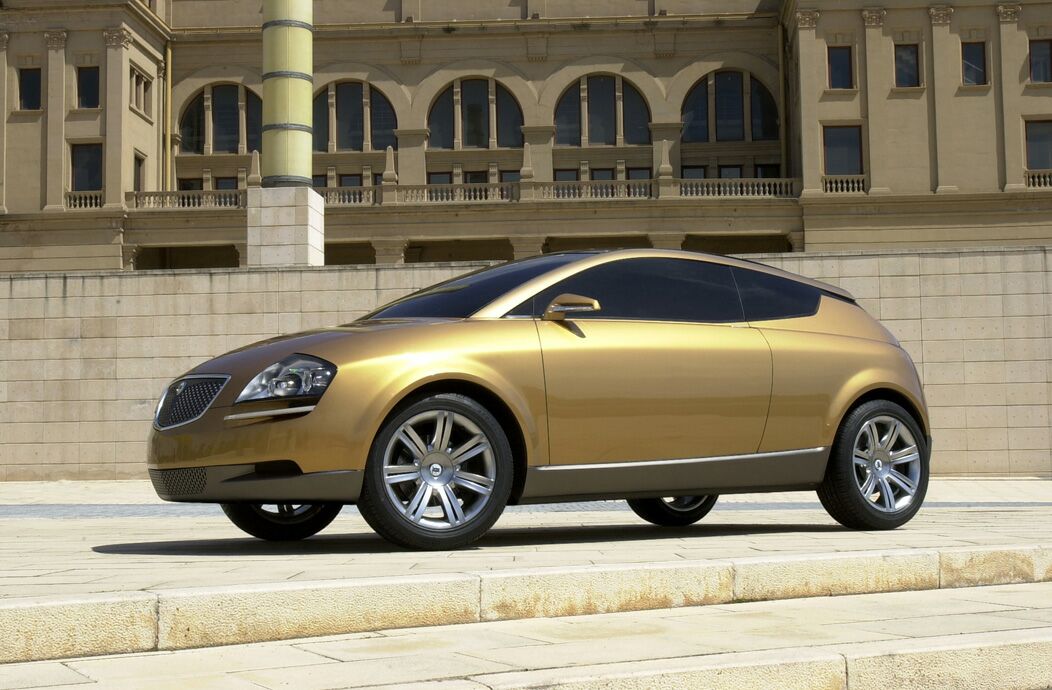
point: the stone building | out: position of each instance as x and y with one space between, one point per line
488 129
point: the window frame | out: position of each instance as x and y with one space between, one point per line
74 148
1026 141
23 72
919 74
964 64
850 51
80 71
1030 61
861 150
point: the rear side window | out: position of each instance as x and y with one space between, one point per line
650 290
765 296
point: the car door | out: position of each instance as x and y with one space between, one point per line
666 369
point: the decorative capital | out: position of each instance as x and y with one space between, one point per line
162 69
56 40
117 38
806 19
873 17
940 14
1009 13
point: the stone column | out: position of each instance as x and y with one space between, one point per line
56 166
670 132
947 72
540 139
115 114
811 85
878 83
667 240
1013 48
412 161
3 121
525 247
390 250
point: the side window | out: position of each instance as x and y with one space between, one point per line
651 290
766 296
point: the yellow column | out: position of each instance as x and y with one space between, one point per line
288 69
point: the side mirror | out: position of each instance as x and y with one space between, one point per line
569 304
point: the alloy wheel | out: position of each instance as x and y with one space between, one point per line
887 463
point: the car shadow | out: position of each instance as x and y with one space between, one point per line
496 539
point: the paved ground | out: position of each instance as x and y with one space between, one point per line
541 651
72 538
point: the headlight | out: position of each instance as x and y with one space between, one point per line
298 376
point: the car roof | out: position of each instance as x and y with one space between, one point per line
590 258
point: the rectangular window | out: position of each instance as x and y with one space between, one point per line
567 175
474 113
973 64
319 181
1039 145
29 88
350 180
378 179
350 117
191 184
843 150
602 174
768 170
139 97
226 119
439 178
730 172
730 107
639 173
841 72
476 177
224 183
601 108
87 87
907 66
693 172
87 167
1041 61
139 174
510 176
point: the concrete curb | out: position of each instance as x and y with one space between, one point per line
35 629
980 661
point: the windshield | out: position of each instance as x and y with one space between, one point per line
461 297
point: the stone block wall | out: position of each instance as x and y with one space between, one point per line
84 356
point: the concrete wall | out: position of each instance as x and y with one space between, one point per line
84 356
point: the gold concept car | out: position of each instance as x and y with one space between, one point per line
661 377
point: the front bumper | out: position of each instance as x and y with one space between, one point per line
271 482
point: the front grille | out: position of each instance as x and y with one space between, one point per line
181 482
187 399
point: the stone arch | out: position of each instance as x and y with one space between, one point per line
190 86
382 80
438 81
644 82
759 68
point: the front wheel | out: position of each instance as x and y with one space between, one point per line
679 511
282 521
878 469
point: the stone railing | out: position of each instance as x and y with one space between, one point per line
474 192
844 184
232 198
743 187
348 196
1039 179
595 189
81 200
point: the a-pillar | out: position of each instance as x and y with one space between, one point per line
947 80
57 173
1013 52
878 83
117 42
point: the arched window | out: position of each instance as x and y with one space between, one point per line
223 111
476 113
596 97
727 102
192 126
352 102
254 121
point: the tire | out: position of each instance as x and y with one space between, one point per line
284 522
874 481
673 512
439 474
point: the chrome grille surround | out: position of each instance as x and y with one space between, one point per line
187 399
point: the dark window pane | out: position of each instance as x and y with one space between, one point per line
567 175
1039 145
321 121
87 167
602 175
653 290
382 121
636 114
639 173
192 127
568 117
378 179
350 180
907 66
509 120
693 172
227 183
191 184
1041 61
768 170
440 121
730 172
767 296
843 150
841 75
87 87
601 110
973 57
254 122
476 177
764 113
318 181
350 117
29 88
696 113
462 297
226 130
440 178
474 113
139 174
730 107
510 176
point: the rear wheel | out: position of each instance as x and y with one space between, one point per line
282 521
878 469
678 511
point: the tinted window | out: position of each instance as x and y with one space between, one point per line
568 117
1041 61
192 127
841 75
509 120
87 167
651 290
843 148
1039 145
973 57
29 88
350 117
321 121
764 113
730 107
601 108
87 87
440 122
474 113
636 116
766 296
462 297
696 113
254 122
383 121
907 66
226 129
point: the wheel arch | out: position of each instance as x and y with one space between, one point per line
891 395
